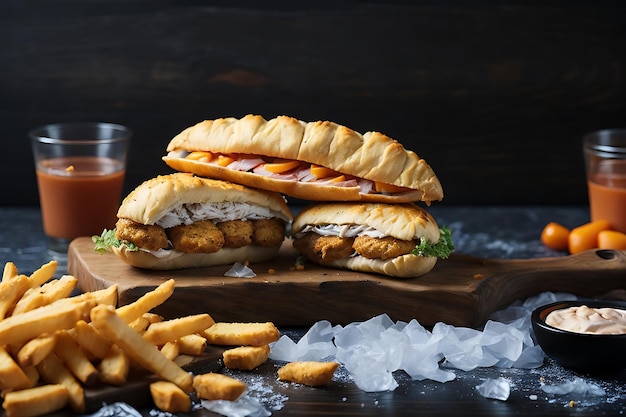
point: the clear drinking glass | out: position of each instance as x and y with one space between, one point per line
605 162
80 171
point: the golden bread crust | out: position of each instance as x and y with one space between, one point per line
402 221
147 203
372 155
179 260
406 266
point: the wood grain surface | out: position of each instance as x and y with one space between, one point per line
461 291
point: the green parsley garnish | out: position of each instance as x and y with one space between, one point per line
441 249
107 239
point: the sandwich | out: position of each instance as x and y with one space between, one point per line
317 161
182 221
397 240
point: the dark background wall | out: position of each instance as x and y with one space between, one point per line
494 95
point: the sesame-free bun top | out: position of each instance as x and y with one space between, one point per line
402 221
152 199
372 156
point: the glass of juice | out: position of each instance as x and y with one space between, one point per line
80 171
605 161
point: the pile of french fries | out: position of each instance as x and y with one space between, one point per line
54 344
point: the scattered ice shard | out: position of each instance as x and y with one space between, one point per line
316 345
497 389
574 386
242 407
239 270
118 409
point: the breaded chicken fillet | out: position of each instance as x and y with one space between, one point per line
180 221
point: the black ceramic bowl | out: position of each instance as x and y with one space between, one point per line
580 351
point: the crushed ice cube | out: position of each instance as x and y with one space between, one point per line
463 348
315 345
118 409
366 352
372 350
497 389
242 407
239 270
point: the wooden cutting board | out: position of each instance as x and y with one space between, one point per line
461 291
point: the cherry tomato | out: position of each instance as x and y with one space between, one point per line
612 239
555 236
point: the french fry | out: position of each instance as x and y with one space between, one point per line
114 367
245 358
52 317
140 324
47 293
153 317
170 350
146 302
69 342
168 396
36 349
53 371
138 350
10 291
192 344
43 274
36 401
74 359
170 330
242 334
11 375
214 386
10 271
30 301
32 374
90 339
183 360
59 288
106 296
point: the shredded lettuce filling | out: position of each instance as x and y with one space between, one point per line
107 239
441 249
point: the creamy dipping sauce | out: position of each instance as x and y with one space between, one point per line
583 319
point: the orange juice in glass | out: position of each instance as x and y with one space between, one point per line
80 171
605 160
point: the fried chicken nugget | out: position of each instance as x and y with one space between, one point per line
325 248
311 373
382 248
151 237
199 237
237 233
268 232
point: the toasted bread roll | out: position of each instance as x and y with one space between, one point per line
332 234
183 221
319 161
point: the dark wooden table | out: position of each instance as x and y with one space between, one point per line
490 232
